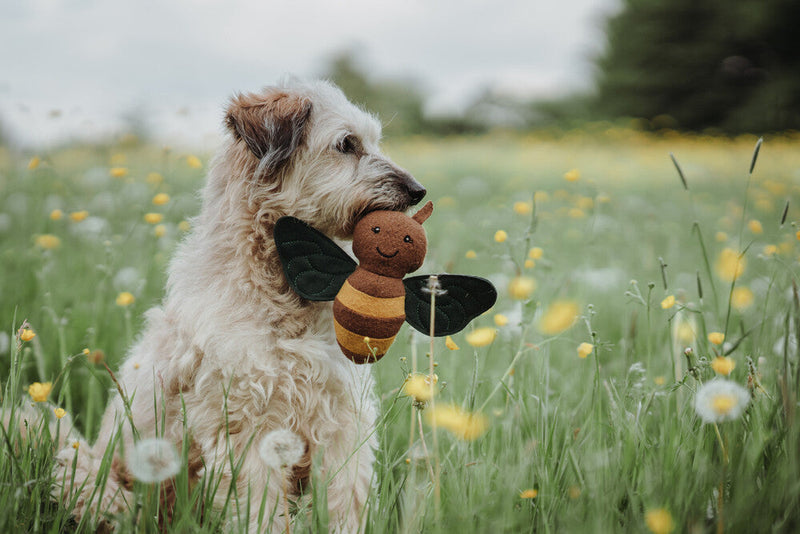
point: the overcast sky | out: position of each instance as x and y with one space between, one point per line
74 67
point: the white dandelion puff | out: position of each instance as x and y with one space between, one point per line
281 448
154 460
720 400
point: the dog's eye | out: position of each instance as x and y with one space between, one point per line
408 239
376 229
350 145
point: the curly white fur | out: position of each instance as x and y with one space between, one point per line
244 353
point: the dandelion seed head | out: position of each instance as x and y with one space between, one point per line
720 400
154 460
281 448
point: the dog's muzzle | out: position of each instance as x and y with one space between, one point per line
411 187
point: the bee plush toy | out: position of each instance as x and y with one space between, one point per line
372 299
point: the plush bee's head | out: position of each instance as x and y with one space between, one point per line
391 243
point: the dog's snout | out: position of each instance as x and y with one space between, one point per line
416 191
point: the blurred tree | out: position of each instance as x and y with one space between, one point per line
728 65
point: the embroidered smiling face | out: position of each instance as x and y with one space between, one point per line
389 243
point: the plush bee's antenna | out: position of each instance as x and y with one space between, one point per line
424 212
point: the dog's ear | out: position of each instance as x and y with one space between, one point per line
271 124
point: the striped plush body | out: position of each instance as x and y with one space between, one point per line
368 312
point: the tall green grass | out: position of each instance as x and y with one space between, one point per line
601 440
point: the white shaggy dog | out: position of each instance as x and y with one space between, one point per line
231 341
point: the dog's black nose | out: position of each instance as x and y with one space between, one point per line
415 190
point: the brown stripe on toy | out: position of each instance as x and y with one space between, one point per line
368 305
364 325
354 344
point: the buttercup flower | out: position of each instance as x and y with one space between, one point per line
716 337
48 241
418 386
153 218
500 319
118 172
659 521
281 448
723 365
34 163
27 334
39 391
755 226
480 337
125 299
56 215
160 230
194 162
668 302
529 263
154 178
521 287
523 208
184 226
535 253
528 494
741 298
729 265
60 412
470 255
450 344
154 460
720 400
160 199
585 349
500 236
78 216
572 175
559 316
463 425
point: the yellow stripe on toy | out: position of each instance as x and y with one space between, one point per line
354 299
355 347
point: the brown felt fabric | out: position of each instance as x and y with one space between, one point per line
368 305
357 323
354 346
389 243
376 285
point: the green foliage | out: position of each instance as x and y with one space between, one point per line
731 66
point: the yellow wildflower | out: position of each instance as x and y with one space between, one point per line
559 316
463 425
528 494
716 337
193 162
584 203
668 302
125 299
154 178
659 521
729 265
160 199
160 230
755 226
85 351
721 236
34 163
184 226
39 391
56 215
659 380
470 255
797 235
450 344
500 236
480 337
585 349
572 175
78 216
741 298
523 208
500 319
27 334
75 445
418 386
521 287
118 172
153 218
60 412
48 241
770 250
529 263
535 253
723 365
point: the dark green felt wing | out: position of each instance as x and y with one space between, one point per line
315 266
460 299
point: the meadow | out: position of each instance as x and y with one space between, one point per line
628 281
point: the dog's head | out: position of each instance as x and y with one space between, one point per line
317 155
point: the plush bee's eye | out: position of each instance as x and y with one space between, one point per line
376 229
408 239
